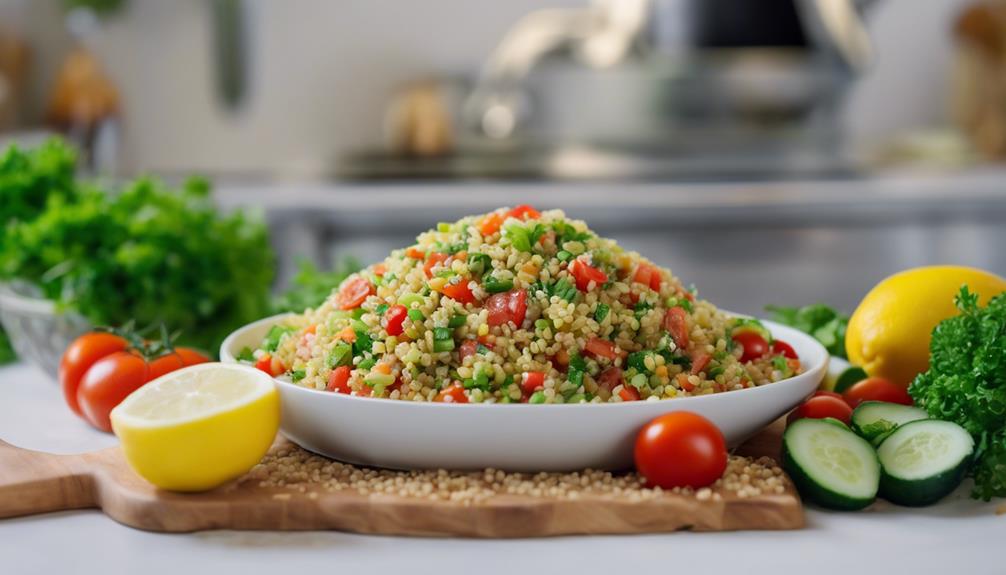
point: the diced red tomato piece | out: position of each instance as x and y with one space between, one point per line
415 253
700 362
524 212
491 224
338 380
506 307
394 319
264 363
629 393
780 347
432 260
684 383
454 393
468 348
610 378
648 276
380 269
584 273
676 323
353 292
598 347
459 292
532 381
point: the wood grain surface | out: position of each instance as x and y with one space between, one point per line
33 482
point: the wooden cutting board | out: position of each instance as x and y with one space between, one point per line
32 482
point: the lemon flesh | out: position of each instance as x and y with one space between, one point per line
199 427
889 333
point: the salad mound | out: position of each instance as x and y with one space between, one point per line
520 306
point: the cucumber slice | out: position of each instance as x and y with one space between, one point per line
875 420
830 465
923 461
849 377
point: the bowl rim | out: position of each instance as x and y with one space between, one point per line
816 371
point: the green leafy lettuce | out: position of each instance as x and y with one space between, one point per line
966 384
823 323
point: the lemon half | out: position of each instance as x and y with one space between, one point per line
199 427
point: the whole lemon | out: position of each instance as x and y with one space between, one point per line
889 332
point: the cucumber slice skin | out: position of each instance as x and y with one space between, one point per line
850 377
924 491
813 490
860 421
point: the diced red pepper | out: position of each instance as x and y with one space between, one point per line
432 260
598 347
459 292
338 380
676 323
454 393
584 273
532 381
394 319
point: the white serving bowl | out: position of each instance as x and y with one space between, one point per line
514 437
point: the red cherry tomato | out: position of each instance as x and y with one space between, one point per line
532 381
825 393
394 319
753 344
491 224
114 377
676 324
80 356
584 273
353 292
507 307
784 349
876 389
680 449
524 212
459 292
648 276
338 380
598 347
820 407
454 393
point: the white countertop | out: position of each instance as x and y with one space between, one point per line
958 536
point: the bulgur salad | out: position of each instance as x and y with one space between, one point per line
520 306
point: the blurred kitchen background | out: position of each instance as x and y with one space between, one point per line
770 151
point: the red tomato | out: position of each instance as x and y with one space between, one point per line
532 381
648 276
506 307
825 393
752 342
524 212
610 378
629 393
80 356
491 224
700 362
676 323
415 253
190 356
394 318
598 347
453 393
820 407
782 348
876 389
468 348
584 274
353 292
680 449
432 260
459 292
338 380
114 377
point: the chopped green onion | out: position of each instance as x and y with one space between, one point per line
578 398
416 315
637 360
481 349
457 321
494 285
564 256
359 326
275 336
358 313
446 274
363 343
442 345
366 364
381 309
601 312
442 334
341 354
246 354
537 397
379 379
297 375
576 361
519 237
542 324
479 264
410 298
443 227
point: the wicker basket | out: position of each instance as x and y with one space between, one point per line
38 332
